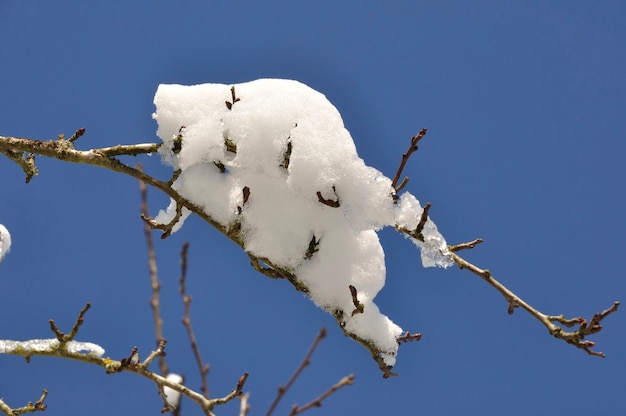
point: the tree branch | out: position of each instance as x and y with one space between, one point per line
154 277
38 406
63 150
93 355
202 367
346 381
305 363
575 338
17 148
405 158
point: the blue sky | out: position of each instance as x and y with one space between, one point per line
524 102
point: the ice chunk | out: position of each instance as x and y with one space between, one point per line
434 249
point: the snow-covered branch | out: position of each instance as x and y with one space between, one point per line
270 165
64 346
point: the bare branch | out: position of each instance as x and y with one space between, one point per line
305 362
575 338
204 368
38 406
408 337
77 134
63 338
154 277
347 380
237 391
465 246
63 150
405 158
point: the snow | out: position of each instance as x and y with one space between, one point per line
35 346
313 206
5 241
172 396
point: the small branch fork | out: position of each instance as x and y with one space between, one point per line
63 338
405 158
554 324
130 364
305 363
38 406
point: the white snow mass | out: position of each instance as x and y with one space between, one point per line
273 157
172 396
5 241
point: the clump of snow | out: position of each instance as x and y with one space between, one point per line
273 157
172 396
5 241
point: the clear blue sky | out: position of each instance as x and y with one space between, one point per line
524 102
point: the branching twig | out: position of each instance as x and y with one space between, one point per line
204 368
104 157
575 338
347 380
305 362
63 338
38 406
131 364
405 158
236 392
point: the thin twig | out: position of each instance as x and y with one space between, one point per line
408 337
347 380
305 362
575 338
154 276
236 392
202 367
77 134
63 338
465 246
405 158
38 406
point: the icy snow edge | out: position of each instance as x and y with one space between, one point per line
272 159
5 241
